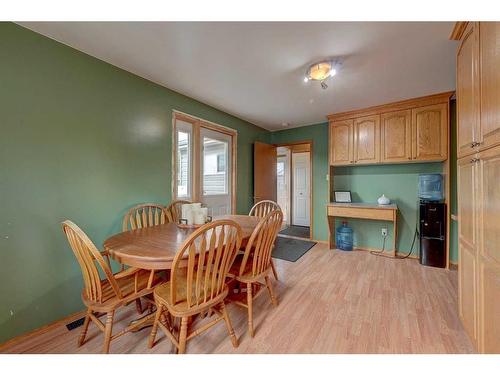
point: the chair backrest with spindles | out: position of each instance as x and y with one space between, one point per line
90 260
262 208
173 211
260 245
143 216
209 254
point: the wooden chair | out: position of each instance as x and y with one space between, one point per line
252 267
198 282
143 216
261 209
173 210
109 294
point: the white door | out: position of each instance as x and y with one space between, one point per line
301 189
215 171
283 182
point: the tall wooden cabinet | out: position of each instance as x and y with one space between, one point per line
478 148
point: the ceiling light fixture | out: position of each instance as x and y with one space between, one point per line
321 71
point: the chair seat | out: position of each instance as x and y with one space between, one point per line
247 275
127 287
162 295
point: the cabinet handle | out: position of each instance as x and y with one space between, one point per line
474 160
475 144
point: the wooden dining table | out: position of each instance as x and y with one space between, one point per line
154 248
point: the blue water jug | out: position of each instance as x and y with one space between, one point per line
430 186
344 237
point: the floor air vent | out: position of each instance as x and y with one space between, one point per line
75 324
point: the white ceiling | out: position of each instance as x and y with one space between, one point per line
255 70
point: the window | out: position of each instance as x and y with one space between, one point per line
184 164
215 178
221 163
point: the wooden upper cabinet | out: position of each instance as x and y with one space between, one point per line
367 140
413 130
430 132
341 142
396 136
468 134
490 83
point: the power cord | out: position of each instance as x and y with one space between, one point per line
380 253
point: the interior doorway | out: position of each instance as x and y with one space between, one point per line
294 188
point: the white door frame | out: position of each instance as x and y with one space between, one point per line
311 182
286 210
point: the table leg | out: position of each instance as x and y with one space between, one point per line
395 237
331 232
145 321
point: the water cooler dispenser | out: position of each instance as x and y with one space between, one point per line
432 221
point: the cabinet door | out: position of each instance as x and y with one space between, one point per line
467 289
396 136
341 142
467 201
489 250
489 307
468 92
430 132
367 140
490 83
489 196
467 234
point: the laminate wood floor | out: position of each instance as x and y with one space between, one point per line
329 302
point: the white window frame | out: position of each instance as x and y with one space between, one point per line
184 127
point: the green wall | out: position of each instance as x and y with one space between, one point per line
84 140
319 135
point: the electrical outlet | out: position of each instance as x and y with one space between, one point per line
384 232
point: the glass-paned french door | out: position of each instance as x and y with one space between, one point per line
215 171
203 164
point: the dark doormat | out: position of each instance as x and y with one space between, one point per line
291 249
296 231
